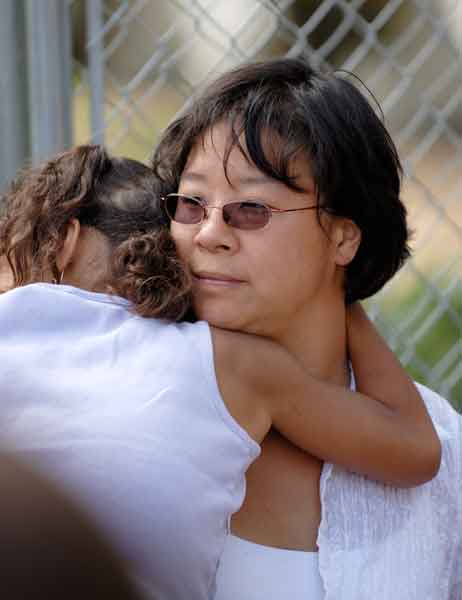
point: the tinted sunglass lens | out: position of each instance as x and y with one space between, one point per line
170 203
183 209
246 215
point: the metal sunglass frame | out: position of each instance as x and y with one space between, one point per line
205 208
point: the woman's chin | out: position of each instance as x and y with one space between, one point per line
218 316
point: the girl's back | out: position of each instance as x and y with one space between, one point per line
101 400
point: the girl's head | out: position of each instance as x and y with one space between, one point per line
95 222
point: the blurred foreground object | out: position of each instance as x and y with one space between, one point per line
50 550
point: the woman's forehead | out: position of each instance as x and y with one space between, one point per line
217 152
215 143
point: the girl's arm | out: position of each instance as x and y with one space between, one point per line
388 436
378 373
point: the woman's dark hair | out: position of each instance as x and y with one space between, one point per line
353 160
117 196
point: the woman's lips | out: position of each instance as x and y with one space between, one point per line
215 279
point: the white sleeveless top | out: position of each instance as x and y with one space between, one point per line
250 571
125 413
375 541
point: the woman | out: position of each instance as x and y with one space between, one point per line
311 149
151 424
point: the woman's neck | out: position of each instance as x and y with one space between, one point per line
318 340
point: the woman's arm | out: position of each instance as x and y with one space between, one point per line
388 437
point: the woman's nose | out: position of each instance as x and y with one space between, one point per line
214 234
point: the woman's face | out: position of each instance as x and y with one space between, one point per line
259 281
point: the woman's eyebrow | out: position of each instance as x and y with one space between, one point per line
239 180
267 180
193 176
244 180
255 180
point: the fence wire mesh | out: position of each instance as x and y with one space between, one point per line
138 62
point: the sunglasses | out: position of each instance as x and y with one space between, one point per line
241 215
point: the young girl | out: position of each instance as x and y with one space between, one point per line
152 423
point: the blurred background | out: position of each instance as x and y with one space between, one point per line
117 72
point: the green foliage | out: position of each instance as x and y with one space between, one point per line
424 328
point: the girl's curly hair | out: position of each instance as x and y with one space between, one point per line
117 196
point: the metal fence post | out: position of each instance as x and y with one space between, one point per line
49 58
95 52
14 122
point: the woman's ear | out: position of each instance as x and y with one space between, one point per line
68 249
6 275
347 239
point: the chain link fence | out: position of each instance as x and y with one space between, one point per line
136 63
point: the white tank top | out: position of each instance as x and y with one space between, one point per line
250 571
125 413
